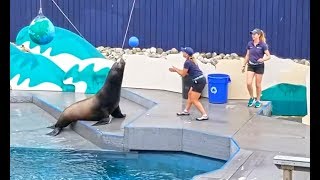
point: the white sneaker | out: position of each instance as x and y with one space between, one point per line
202 118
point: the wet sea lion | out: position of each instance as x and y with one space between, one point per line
98 107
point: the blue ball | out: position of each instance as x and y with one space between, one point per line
133 41
41 30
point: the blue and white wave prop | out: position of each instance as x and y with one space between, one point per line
67 63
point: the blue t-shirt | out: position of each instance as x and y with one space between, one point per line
256 52
193 69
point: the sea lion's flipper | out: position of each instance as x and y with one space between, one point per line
55 132
52 127
117 113
103 121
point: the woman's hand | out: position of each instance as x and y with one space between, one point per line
243 69
173 69
260 60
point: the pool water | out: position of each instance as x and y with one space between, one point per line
49 164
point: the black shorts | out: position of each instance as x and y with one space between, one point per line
258 69
199 84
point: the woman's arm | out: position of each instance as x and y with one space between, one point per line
266 56
182 72
246 59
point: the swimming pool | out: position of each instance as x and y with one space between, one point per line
52 164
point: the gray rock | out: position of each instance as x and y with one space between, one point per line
226 56
144 50
214 62
168 52
159 50
196 55
174 51
153 55
114 53
100 48
138 49
222 55
129 52
302 61
118 50
104 54
134 51
307 63
234 55
214 54
296 60
200 58
164 54
206 60
203 55
153 50
218 57
208 55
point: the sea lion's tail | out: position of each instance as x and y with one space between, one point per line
55 132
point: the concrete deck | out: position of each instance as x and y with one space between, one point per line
152 124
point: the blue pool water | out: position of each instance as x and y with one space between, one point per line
48 164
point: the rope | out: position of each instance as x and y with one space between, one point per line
40 10
125 35
67 18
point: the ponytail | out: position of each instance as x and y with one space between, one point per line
263 37
193 59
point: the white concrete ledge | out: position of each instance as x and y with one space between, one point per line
152 73
297 163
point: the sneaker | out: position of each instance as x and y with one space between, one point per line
183 113
251 102
202 118
258 104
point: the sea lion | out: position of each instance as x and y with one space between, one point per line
98 107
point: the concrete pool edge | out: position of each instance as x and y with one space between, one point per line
237 157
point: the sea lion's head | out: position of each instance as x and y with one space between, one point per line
119 65
117 70
121 62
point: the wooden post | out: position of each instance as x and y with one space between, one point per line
287 172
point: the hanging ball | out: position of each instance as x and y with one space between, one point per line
133 41
41 30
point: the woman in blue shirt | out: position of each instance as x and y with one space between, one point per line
257 53
191 68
